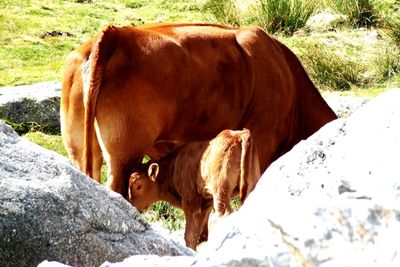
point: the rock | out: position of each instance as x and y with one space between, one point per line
307 232
333 200
37 105
325 20
344 106
51 211
154 261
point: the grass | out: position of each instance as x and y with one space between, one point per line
224 12
285 16
361 13
51 142
164 213
33 44
355 59
28 55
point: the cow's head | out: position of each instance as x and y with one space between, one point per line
143 189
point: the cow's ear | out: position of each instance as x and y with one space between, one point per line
153 171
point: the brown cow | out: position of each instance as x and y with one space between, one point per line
196 176
132 91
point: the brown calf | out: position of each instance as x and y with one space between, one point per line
197 175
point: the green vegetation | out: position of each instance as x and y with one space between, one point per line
224 12
285 16
35 36
51 142
169 217
361 55
392 28
34 51
339 63
361 13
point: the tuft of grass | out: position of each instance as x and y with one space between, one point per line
51 142
54 142
285 16
224 12
388 63
134 3
361 13
392 28
354 59
173 218
328 69
163 212
394 32
25 127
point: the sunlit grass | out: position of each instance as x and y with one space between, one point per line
28 55
350 60
165 214
285 16
51 142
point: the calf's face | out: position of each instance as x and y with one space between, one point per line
143 189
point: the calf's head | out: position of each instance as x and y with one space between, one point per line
143 189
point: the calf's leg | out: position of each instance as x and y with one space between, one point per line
222 201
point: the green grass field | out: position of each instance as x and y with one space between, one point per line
29 52
360 55
36 36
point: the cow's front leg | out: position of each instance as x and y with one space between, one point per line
97 160
193 223
205 214
118 177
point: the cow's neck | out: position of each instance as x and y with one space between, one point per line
311 111
174 200
166 190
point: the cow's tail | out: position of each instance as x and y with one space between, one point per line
249 166
92 76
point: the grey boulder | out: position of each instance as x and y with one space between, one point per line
36 105
51 211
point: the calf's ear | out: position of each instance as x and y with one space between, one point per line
153 171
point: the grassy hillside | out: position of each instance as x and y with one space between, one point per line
36 35
357 54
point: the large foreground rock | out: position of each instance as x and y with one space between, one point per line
37 105
50 211
333 200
